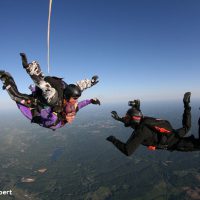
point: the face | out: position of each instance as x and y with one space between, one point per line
130 122
73 100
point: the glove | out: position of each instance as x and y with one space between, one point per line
95 101
94 80
24 60
115 115
111 138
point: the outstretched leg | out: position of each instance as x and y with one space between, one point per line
190 143
187 144
34 71
186 120
10 86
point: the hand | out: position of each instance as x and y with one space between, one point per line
95 101
115 115
111 138
95 80
24 60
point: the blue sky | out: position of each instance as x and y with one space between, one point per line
147 49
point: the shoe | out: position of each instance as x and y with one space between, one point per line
5 75
2 72
24 60
186 98
6 79
111 138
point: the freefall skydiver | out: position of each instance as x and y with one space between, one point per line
53 103
156 133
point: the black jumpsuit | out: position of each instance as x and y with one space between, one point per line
148 134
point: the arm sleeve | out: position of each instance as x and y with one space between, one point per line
131 145
84 84
83 103
121 119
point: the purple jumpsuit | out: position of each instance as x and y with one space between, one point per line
48 117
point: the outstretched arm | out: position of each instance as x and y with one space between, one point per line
131 145
116 117
86 83
84 103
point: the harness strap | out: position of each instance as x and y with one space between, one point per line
162 130
153 148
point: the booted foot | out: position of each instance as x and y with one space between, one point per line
4 75
186 99
2 72
6 79
24 60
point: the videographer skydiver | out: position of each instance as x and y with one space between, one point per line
155 133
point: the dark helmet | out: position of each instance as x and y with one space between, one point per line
135 115
72 90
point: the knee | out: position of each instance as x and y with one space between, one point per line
128 154
187 128
128 151
13 98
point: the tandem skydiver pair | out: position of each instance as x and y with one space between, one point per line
53 103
